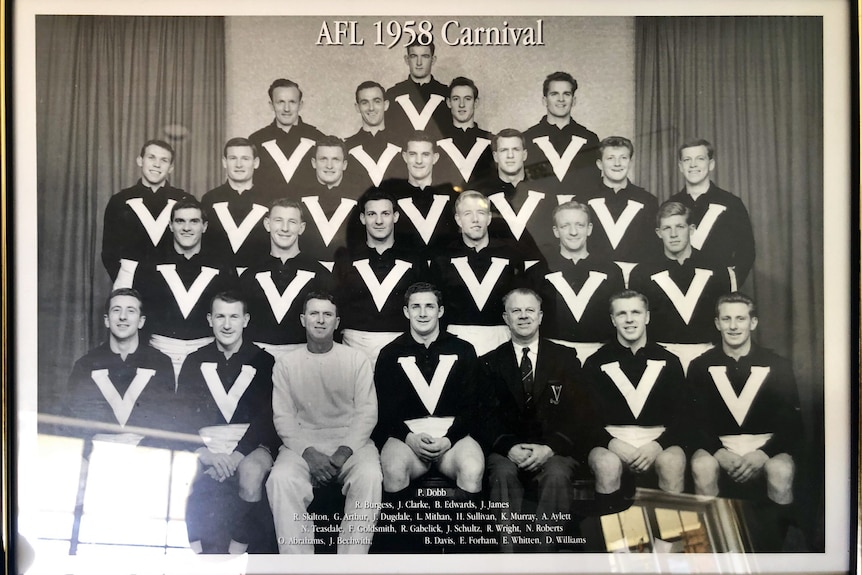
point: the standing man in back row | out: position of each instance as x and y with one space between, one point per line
560 150
136 219
723 235
236 208
284 144
417 103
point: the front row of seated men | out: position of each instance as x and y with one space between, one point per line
522 414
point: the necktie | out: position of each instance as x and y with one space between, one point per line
527 373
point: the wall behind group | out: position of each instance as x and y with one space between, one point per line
598 51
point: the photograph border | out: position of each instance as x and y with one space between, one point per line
840 269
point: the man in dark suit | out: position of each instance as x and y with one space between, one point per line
538 426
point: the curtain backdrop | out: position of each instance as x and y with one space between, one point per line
754 88
104 86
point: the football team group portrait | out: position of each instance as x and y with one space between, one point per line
435 318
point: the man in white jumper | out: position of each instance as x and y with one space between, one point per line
324 409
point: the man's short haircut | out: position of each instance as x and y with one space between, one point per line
189 203
125 291
522 291
286 203
669 209
416 42
240 143
421 136
507 133
320 294
329 142
367 84
230 296
423 287
559 77
467 194
160 143
462 81
374 194
694 143
571 205
617 142
737 297
627 294
284 83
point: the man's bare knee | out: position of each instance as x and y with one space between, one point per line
780 471
395 473
469 471
608 469
251 473
670 467
704 471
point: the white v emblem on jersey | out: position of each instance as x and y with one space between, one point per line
280 303
429 393
376 170
380 291
186 300
122 406
227 400
576 301
328 227
701 232
288 166
465 164
683 302
237 234
738 405
635 397
425 226
615 230
563 198
480 291
419 120
155 227
517 223
560 163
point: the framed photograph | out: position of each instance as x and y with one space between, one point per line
763 88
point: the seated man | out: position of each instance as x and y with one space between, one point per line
639 391
746 408
123 390
122 382
324 409
426 390
538 421
225 394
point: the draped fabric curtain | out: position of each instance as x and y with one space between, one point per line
105 85
754 88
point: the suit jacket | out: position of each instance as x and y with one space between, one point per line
560 414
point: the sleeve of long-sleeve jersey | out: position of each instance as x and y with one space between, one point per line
284 411
701 427
745 251
787 425
468 412
112 240
365 406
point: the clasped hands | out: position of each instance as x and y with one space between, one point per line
638 459
220 466
324 468
530 456
427 448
